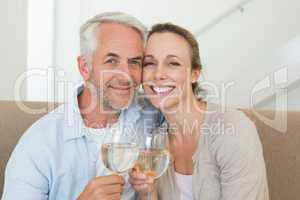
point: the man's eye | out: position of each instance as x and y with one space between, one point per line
136 63
111 61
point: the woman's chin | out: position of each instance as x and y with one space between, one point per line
164 104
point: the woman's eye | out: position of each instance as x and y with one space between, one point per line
174 64
148 64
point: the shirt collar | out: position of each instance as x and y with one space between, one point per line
74 126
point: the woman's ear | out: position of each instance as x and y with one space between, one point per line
83 67
195 75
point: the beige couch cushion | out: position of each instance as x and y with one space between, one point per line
281 151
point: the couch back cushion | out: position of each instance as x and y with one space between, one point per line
281 152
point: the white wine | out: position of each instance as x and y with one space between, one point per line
119 157
153 162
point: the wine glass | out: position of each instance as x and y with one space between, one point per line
154 158
120 151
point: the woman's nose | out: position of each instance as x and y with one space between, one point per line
160 73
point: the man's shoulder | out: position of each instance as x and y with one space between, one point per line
46 128
37 148
50 119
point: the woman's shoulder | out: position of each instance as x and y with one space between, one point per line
226 114
226 126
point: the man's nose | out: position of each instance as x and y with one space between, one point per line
124 71
124 67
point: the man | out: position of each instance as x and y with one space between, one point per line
57 157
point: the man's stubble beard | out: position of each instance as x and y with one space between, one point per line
103 100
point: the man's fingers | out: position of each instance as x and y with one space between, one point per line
109 180
113 189
114 197
109 192
104 187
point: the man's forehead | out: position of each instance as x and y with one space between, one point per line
116 55
116 29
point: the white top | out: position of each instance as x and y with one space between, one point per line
184 183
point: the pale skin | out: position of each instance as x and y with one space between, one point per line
167 64
115 72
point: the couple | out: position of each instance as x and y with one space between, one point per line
57 157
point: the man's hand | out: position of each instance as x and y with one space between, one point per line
104 188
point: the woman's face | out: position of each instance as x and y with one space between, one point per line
167 74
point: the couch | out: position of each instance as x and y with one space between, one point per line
281 150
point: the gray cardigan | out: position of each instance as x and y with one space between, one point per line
228 163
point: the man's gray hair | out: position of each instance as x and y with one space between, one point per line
88 31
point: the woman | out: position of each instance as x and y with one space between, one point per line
216 155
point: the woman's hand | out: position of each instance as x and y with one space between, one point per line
142 184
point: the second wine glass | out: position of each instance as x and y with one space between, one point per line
154 158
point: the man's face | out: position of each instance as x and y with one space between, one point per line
116 65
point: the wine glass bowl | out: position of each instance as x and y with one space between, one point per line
153 162
119 157
120 150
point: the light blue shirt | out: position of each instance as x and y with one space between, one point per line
55 159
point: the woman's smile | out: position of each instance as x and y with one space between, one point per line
162 90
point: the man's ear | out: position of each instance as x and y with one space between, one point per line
83 67
195 75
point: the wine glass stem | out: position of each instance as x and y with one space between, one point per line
149 196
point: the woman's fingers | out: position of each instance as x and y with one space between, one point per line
140 182
140 178
144 188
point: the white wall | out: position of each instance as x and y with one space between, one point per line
40 36
66 47
53 45
289 56
12 45
291 96
189 13
244 48
248 47
294 98
67 23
